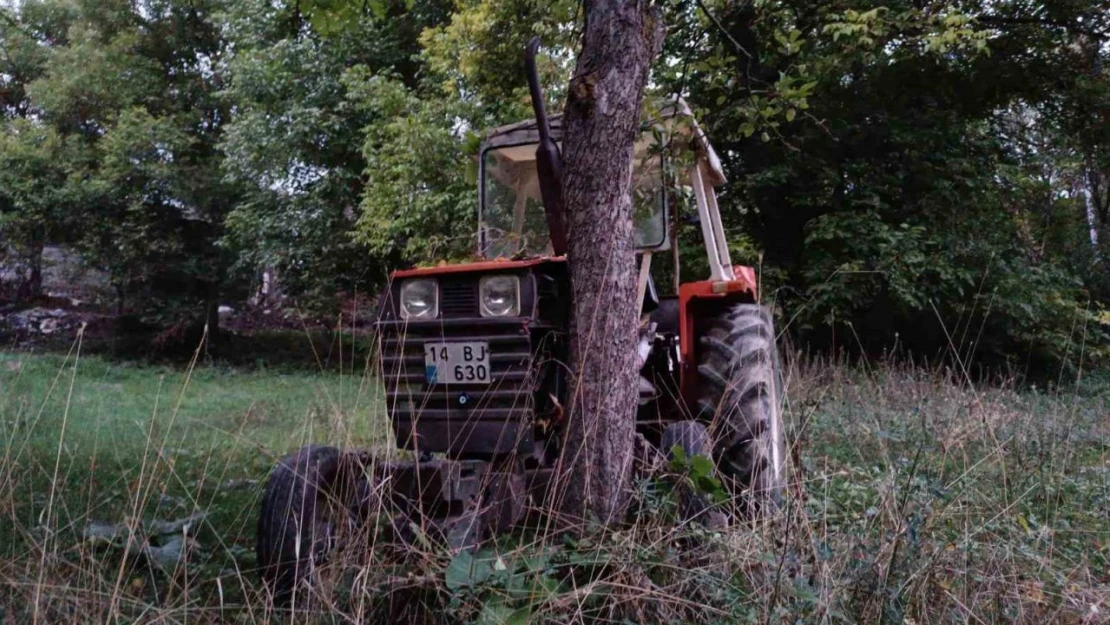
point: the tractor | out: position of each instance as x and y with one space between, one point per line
473 360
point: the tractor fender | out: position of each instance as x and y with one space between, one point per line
693 297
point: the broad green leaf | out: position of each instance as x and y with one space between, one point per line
465 570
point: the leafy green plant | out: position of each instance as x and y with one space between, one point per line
701 472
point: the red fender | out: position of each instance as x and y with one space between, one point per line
743 288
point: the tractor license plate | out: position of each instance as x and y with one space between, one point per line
457 363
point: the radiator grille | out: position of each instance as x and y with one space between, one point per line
459 298
495 418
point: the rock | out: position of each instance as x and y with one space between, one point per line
171 501
96 531
179 526
20 320
41 321
111 534
172 553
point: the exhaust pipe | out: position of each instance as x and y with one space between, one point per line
549 162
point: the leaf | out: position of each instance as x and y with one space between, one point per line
466 571
790 114
701 466
1020 518
497 613
536 563
678 454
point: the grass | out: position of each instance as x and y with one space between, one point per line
90 449
960 504
915 497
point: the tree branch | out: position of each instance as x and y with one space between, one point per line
999 20
9 19
722 28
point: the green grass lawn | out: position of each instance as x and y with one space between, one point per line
914 497
90 441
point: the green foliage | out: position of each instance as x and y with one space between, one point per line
477 54
420 200
895 167
96 75
701 473
36 165
296 141
129 93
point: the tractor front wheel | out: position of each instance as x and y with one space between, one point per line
304 513
739 394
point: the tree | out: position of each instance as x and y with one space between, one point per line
120 100
301 81
333 140
418 202
602 121
37 195
863 145
35 161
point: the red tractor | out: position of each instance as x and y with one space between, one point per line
472 357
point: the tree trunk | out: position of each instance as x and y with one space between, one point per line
30 285
212 315
601 123
1093 223
121 297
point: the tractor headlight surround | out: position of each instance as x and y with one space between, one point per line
499 296
419 299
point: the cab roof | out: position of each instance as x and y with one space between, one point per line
672 113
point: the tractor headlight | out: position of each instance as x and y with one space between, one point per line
499 296
419 299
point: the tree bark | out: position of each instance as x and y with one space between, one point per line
30 288
212 314
601 122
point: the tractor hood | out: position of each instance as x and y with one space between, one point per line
475 267
540 286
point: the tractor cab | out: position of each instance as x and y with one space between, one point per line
511 217
671 158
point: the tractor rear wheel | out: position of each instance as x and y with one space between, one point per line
303 514
739 393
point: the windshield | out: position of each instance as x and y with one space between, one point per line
512 219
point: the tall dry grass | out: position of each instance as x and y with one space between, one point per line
915 496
